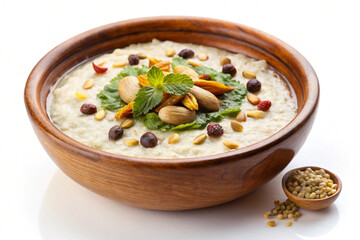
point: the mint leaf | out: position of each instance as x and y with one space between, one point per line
153 122
231 112
179 61
177 84
109 96
146 99
155 77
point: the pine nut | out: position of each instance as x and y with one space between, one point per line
100 115
200 139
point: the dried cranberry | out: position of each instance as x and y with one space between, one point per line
214 130
253 85
148 140
115 132
133 59
88 108
229 68
264 105
186 53
99 69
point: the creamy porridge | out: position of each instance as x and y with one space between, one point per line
83 104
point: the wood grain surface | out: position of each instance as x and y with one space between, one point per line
174 184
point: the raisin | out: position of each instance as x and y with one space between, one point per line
186 53
88 108
229 68
133 59
148 140
115 132
253 85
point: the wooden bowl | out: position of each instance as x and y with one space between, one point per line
174 184
312 204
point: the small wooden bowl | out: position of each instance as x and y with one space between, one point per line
312 204
174 184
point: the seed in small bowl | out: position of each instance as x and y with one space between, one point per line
148 140
186 53
88 108
115 132
133 59
229 68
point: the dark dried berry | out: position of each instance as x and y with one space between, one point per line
148 140
133 59
253 85
214 130
205 76
186 53
115 132
264 105
88 108
229 68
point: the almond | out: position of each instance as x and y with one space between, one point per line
127 123
205 99
200 139
202 56
100 115
190 102
88 84
236 126
241 117
186 70
248 74
131 142
224 61
169 52
176 115
256 114
174 138
253 99
230 144
128 88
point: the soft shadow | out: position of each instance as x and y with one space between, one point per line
70 211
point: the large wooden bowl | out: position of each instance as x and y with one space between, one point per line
174 184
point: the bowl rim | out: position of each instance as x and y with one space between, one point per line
43 121
333 177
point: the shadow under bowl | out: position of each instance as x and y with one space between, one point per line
312 204
174 184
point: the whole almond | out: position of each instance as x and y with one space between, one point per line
186 70
205 99
100 115
248 74
253 99
88 84
128 88
224 61
169 52
176 115
230 144
241 117
202 56
256 114
127 123
131 142
200 139
174 138
236 126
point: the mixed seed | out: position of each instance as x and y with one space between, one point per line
283 210
311 184
203 94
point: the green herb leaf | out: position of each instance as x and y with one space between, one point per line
155 77
177 84
146 99
109 97
153 122
179 61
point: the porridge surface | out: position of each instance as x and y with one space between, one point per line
63 105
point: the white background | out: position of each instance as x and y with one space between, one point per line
37 201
